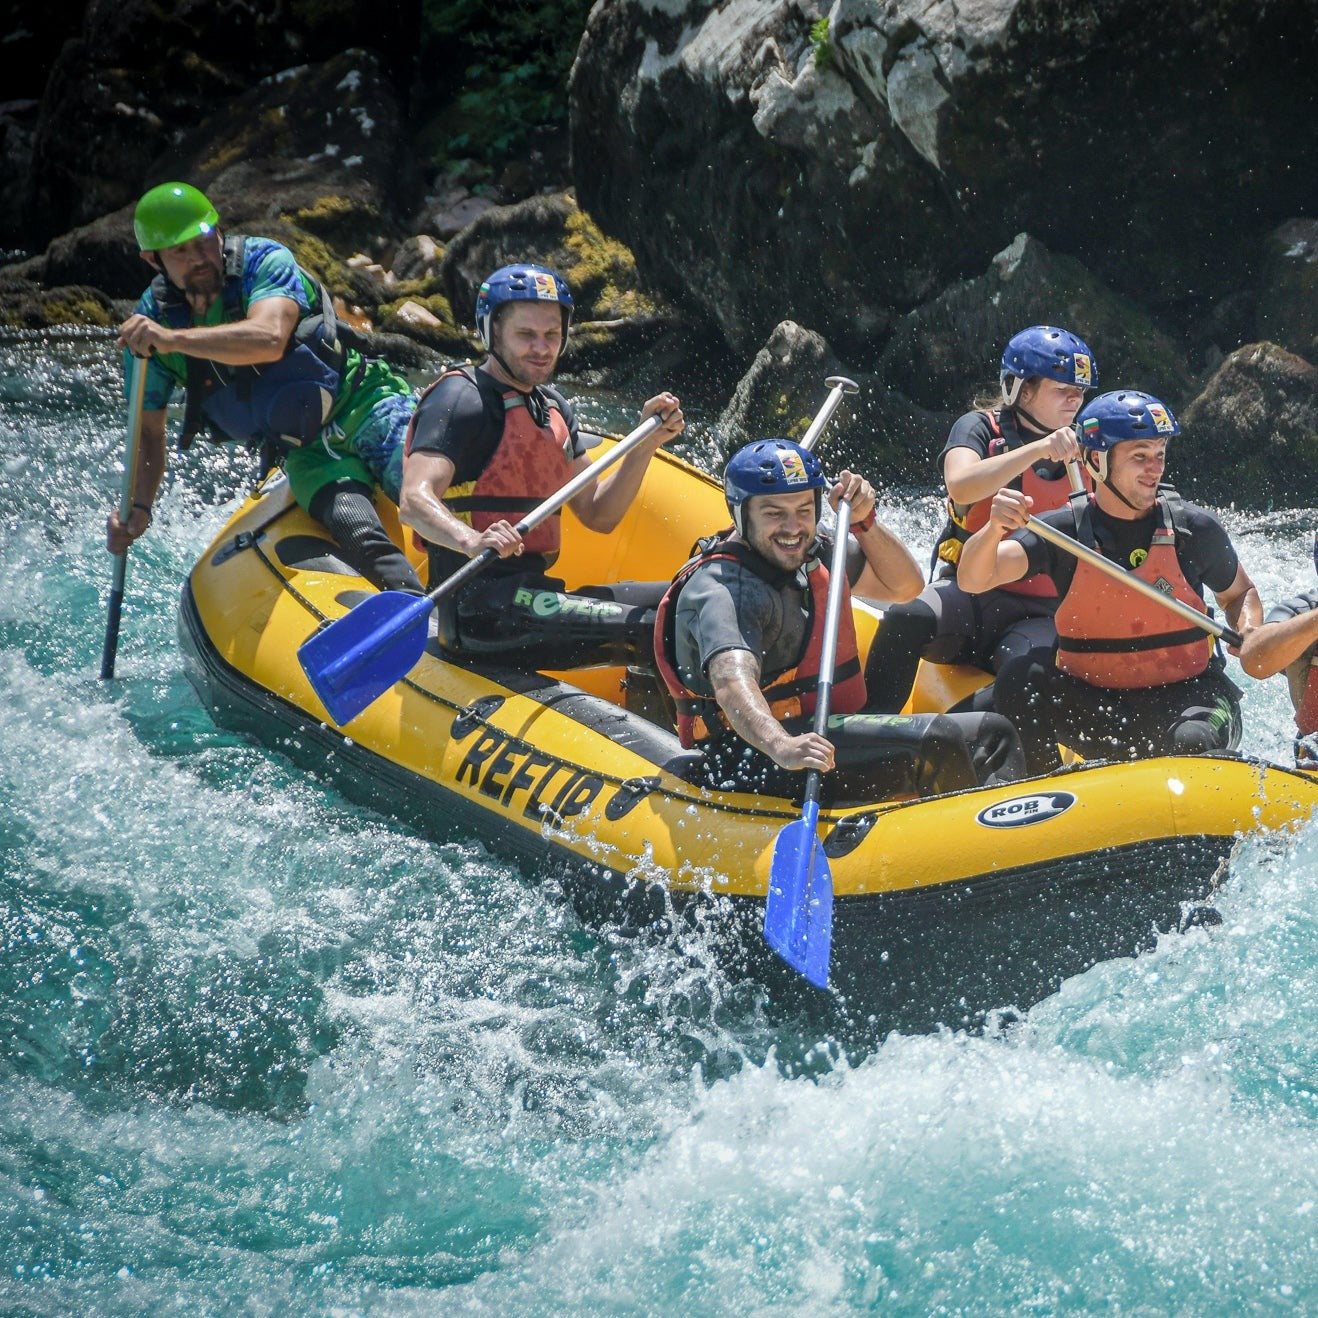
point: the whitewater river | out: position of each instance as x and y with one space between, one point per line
264 1051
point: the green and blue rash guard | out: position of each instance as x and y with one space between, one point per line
270 270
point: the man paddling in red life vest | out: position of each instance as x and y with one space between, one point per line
1288 641
489 443
1127 678
739 636
1024 441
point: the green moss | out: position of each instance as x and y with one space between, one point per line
68 307
602 271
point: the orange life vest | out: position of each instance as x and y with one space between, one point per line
963 519
789 693
530 464
1113 637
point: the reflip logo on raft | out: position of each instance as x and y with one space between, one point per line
515 774
1023 810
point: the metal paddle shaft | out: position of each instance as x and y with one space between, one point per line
798 912
1118 573
838 386
356 659
136 393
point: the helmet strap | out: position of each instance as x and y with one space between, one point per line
1100 472
1011 388
1032 420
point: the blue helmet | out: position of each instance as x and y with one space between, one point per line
1115 417
1048 351
520 283
770 466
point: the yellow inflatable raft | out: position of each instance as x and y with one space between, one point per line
944 906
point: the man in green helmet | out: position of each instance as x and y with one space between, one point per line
253 340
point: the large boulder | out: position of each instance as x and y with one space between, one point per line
139 74
1251 438
311 158
1287 311
840 166
947 351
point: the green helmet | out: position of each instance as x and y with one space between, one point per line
171 214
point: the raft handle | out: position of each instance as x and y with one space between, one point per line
629 795
849 832
467 720
243 540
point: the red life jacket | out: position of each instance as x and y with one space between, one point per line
963 520
530 464
1113 637
789 693
1306 712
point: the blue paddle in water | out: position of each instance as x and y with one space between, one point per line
798 910
136 393
355 660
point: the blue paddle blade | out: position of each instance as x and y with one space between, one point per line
354 661
798 912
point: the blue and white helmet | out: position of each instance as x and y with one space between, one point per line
1048 351
770 466
520 283
1116 417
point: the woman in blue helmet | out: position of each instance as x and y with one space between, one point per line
1022 438
739 636
490 442
1127 677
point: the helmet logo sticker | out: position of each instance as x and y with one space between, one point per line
1162 422
545 287
793 468
1083 371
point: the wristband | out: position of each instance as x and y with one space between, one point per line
146 508
865 522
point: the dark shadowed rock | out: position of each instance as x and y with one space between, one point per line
947 352
843 177
140 73
1251 438
774 397
1288 292
320 145
878 431
103 253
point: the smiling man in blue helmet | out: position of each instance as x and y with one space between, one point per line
1127 677
739 636
1288 642
253 341
1022 438
487 445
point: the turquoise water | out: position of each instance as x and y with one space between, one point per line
263 1051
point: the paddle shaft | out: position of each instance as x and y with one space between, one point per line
136 393
839 386
550 506
837 575
1117 573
